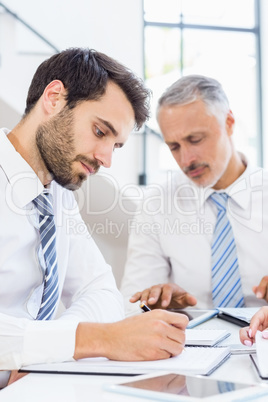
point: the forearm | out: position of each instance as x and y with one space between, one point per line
91 340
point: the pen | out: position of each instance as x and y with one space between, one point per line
144 307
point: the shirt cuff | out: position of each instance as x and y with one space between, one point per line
49 341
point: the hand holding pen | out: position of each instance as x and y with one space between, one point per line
145 308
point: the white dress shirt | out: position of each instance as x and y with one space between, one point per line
171 237
86 283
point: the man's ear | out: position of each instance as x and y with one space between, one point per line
54 97
229 123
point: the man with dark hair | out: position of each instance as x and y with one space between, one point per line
205 229
81 106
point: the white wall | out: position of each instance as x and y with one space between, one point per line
113 27
264 57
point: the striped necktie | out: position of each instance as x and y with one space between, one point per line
47 230
226 282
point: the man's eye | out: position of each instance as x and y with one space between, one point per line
195 140
99 132
174 147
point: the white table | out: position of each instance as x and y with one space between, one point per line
79 388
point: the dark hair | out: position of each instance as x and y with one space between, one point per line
85 74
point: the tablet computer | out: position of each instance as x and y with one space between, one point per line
177 387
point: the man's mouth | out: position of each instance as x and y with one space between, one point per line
195 171
89 169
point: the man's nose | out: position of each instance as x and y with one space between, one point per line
187 156
104 155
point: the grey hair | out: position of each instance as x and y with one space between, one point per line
191 88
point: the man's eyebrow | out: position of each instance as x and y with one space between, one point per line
169 143
186 138
109 126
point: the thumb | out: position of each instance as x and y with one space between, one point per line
190 299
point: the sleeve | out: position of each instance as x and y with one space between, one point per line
89 290
24 342
147 264
89 294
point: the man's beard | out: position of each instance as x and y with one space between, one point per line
55 142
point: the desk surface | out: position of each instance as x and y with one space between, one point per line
79 388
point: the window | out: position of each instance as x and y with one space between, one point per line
217 38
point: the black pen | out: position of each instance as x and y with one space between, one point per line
144 307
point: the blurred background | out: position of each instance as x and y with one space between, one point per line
160 40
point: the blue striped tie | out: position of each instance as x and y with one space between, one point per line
47 230
226 282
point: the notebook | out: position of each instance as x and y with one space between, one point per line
205 337
238 316
193 360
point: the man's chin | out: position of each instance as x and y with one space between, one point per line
71 185
201 182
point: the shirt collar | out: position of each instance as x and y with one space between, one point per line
23 181
241 190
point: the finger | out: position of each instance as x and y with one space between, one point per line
187 300
158 350
265 296
173 348
175 341
135 297
183 299
259 321
177 334
244 336
166 296
265 333
191 300
261 290
169 340
144 296
154 294
175 319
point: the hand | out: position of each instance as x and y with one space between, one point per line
261 291
258 322
154 335
168 295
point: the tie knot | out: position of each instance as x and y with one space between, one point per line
220 199
43 203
